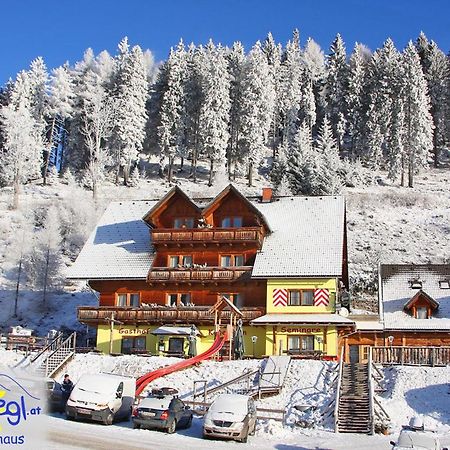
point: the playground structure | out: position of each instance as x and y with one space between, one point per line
223 336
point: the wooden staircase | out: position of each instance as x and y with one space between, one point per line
354 409
54 356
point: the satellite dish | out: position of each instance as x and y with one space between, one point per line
344 312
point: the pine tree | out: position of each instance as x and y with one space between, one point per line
171 133
215 109
258 101
130 94
236 64
22 147
383 91
418 120
357 101
337 85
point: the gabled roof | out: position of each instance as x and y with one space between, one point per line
230 189
421 295
119 247
307 238
158 205
395 292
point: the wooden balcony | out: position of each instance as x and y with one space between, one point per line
166 236
198 275
160 314
413 356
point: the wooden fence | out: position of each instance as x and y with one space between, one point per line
413 356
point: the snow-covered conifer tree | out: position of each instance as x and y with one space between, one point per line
337 85
418 119
171 131
130 93
215 109
258 98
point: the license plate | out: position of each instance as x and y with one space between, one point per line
83 411
147 414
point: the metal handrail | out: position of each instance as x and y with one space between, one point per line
338 392
68 344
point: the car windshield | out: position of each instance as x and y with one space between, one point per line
418 439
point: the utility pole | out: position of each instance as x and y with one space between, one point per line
112 321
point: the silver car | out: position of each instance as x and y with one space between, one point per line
230 416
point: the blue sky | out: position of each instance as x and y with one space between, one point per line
61 30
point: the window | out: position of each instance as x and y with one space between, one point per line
444 284
237 299
232 222
181 299
183 222
297 343
131 345
125 300
422 312
231 260
301 298
180 260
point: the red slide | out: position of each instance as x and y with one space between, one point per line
142 382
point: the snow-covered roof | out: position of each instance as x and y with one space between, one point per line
168 330
307 238
301 318
368 325
396 291
119 247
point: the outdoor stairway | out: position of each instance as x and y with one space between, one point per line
54 356
354 414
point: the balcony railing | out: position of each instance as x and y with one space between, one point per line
164 274
207 235
160 314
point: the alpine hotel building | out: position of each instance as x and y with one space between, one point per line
160 266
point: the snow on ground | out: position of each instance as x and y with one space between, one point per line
423 391
410 391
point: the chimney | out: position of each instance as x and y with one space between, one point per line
266 195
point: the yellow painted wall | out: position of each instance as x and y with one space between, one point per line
283 331
203 342
317 283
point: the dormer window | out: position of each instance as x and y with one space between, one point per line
416 284
232 222
183 222
421 306
444 284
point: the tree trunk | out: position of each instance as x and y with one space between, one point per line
126 173
435 150
250 174
46 275
411 171
94 190
16 299
170 170
211 173
402 174
49 152
16 193
181 164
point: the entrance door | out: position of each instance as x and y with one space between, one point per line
354 353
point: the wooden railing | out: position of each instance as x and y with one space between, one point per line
165 235
164 274
338 392
161 314
414 356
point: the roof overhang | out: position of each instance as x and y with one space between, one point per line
168 330
421 295
310 319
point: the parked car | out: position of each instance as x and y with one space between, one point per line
102 397
415 437
54 395
230 416
163 410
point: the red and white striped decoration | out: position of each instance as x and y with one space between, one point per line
280 297
321 297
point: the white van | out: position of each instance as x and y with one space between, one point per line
102 397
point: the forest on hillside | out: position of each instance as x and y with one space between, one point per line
316 121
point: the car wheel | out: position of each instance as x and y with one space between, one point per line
172 427
136 426
109 419
245 438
